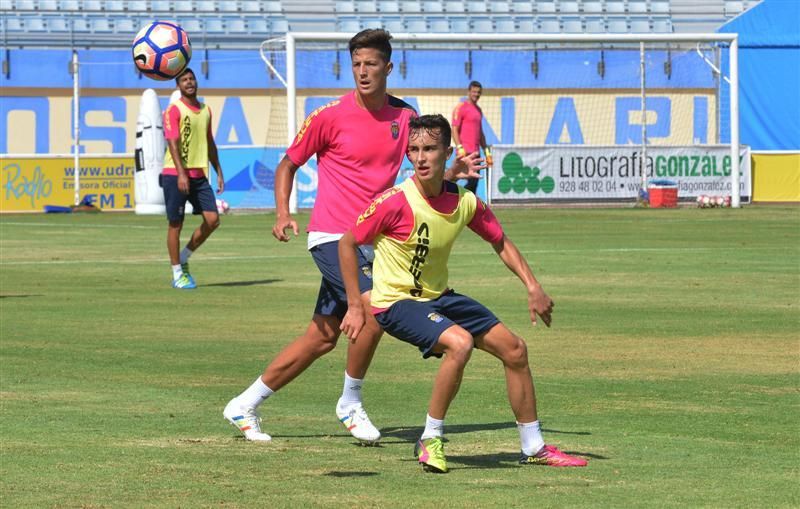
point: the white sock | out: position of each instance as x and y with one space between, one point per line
531 437
351 392
185 254
254 395
433 428
177 271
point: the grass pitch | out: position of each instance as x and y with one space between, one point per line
672 365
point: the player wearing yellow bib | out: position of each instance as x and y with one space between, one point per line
190 147
413 227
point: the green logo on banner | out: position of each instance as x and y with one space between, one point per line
520 178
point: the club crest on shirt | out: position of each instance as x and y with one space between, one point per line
367 271
395 130
435 317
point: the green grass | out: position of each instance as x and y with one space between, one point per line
672 365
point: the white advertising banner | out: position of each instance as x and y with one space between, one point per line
576 173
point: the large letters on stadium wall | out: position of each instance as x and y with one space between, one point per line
43 125
611 173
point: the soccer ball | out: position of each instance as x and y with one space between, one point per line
222 206
161 50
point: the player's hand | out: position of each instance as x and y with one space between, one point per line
279 229
353 321
220 184
539 303
183 183
468 166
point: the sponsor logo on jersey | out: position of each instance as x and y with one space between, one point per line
435 317
420 255
311 117
374 205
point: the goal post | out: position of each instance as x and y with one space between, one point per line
666 105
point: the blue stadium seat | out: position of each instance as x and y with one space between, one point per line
659 6
593 7
432 6
48 5
125 25
205 6
662 26
258 26
394 24
505 25
549 25
617 26
413 6
271 6
388 6
499 7
191 25
100 25
640 26
213 26
345 6
12 23
522 7
525 25
416 25
439 25
137 6
366 6
69 6
80 25
482 24
637 6
115 5
57 24
595 25
24 5
227 6
280 25
250 6
572 25
546 6
615 6
93 5
34 24
235 26
183 6
459 24
348 25
476 7
733 8
454 7
568 7
160 6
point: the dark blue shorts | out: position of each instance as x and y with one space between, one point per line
201 196
332 298
422 323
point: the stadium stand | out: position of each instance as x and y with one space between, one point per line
222 22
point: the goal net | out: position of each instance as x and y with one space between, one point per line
571 118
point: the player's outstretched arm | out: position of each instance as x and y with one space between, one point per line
468 166
284 178
539 303
354 319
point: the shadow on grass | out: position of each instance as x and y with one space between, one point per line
247 283
411 434
337 473
20 296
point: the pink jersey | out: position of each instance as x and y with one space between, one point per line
172 131
394 218
467 117
359 153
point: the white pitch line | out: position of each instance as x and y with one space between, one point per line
72 225
133 261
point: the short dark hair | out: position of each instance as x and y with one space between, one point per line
375 38
187 70
474 83
432 123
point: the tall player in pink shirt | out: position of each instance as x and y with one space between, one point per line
360 140
468 130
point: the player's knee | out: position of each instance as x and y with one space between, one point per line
213 224
459 344
516 356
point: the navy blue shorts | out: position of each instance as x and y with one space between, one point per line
422 323
201 196
332 298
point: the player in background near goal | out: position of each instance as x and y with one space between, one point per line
190 147
468 130
414 226
360 140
